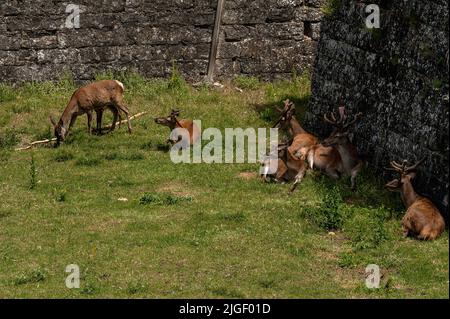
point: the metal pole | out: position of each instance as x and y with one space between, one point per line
215 41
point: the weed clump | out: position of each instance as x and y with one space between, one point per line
163 199
246 82
367 227
8 139
330 214
34 276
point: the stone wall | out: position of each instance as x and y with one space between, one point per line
397 76
262 38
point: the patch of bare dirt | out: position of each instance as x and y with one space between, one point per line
248 175
176 189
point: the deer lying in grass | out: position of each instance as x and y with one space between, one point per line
97 97
422 219
268 164
336 156
191 132
301 138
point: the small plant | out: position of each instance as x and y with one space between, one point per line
163 199
87 161
6 93
268 114
330 214
89 289
136 287
33 173
176 82
246 82
8 139
330 7
61 197
367 227
34 276
63 156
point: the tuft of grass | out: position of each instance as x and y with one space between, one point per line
61 197
176 81
8 138
136 287
89 288
34 276
7 93
330 214
247 82
330 7
88 161
63 156
366 228
163 199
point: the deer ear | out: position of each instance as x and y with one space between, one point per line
52 121
411 175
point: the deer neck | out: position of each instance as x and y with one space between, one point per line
296 128
348 154
409 196
68 114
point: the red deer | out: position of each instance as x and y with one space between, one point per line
301 138
280 175
349 163
96 96
173 123
422 219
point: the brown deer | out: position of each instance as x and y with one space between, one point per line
96 96
422 219
349 162
173 123
300 139
268 163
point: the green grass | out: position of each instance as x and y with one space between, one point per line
138 225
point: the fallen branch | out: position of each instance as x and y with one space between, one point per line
124 121
35 143
46 141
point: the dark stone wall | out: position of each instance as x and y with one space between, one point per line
268 38
262 38
397 76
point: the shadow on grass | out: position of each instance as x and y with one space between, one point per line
268 111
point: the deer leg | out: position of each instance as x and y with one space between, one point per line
122 107
115 112
353 175
89 120
298 179
333 173
99 121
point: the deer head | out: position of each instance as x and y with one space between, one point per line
406 173
286 115
342 124
59 131
170 121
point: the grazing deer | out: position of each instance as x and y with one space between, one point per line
349 164
301 139
96 96
173 123
422 219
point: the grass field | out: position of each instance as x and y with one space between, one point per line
190 230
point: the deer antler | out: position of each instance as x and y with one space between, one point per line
403 168
353 121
